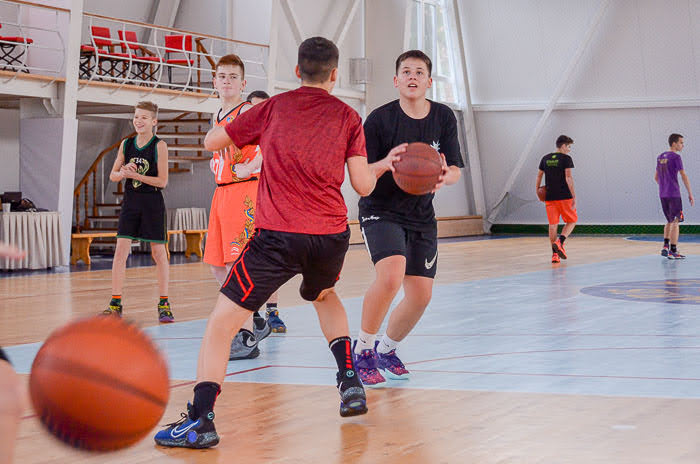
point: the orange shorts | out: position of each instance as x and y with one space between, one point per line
563 208
231 222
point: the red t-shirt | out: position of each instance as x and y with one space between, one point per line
306 135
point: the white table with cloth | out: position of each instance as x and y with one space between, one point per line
39 234
181 219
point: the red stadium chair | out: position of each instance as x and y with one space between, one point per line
146 63
177 44
12 49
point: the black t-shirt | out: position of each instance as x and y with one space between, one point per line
554 166
387 127
146 160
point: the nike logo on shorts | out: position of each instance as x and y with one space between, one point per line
429 264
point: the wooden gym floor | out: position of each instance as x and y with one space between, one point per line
515 361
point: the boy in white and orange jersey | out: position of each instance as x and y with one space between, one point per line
232 216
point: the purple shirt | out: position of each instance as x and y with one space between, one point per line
667 166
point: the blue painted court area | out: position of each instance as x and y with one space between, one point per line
684 238
534 332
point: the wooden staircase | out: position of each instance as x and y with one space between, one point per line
184 135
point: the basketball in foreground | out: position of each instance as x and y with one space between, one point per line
541 193
418 170
99 384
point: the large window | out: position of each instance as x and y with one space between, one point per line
430 27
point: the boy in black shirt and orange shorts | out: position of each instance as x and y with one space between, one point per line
561 196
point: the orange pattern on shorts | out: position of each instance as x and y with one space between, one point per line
231 222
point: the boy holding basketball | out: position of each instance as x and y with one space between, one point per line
668 165
400 229
307 137
11 391
560 199
232 214
142 161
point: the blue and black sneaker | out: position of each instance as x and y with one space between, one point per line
353 401
188 432
273 318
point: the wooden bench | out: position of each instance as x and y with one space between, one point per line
80 244
194 239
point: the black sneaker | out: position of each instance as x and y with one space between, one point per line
189 432
243 346
114 309
261 329
353 401
664 252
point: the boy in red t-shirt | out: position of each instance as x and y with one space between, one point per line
307 136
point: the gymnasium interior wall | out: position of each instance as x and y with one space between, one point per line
636 83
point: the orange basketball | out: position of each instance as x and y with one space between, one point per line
541 192
99 384
418 170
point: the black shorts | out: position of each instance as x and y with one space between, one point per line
271 258
3 356
673 209
143 217
385 238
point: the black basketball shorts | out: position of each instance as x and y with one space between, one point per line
143 217
271 258
3 356
385 238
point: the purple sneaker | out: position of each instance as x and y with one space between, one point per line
392 365
164 313
366 367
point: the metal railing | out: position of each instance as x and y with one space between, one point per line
189 67
26 46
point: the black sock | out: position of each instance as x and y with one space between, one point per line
342 352
666 242
258 320
561 239
673 247
205 394
270 307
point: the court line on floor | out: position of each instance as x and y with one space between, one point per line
184 384
567 350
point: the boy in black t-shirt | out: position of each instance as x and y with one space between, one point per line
400 229
561 196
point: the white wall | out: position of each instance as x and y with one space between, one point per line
9 151
639 75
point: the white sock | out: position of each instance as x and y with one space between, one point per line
365 341
386 345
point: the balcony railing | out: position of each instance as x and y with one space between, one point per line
34 37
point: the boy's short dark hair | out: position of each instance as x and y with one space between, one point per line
148 106
318 56
564 140
415 54
231 60
257 94
673 138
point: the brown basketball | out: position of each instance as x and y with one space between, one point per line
541 192
99 384
418 170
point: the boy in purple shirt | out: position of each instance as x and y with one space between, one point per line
668 165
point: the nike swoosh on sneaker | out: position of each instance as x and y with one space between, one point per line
429 264
177 433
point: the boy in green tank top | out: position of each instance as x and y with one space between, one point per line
142 162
